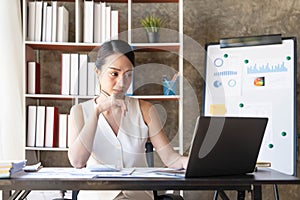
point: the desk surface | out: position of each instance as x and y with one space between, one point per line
261 177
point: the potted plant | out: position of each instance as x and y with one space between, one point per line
152 25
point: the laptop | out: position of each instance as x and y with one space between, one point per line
225 146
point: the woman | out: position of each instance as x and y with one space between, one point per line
112 129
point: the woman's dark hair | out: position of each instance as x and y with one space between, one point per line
112 47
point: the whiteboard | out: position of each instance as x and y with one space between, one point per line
257 81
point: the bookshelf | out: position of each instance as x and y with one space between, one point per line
48 54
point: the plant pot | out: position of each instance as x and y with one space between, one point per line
153 37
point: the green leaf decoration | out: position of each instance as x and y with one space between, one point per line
152 23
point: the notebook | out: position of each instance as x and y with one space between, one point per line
225 146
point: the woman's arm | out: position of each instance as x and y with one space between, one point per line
158 138
82 133
81 136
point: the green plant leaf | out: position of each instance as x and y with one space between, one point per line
151 23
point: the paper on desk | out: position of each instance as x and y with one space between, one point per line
61 172
32 168
57 172
154 172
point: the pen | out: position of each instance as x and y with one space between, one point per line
170 174
132 172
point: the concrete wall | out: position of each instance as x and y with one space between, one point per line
208 20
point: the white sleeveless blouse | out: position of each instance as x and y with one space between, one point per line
127 149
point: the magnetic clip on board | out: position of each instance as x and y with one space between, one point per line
250 41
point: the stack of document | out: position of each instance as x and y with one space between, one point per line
9 167
148 172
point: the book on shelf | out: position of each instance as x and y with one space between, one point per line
10 167
97 22
31 125
38 20
31 21
115 24
51 126
33 78
63 25
63 128
54 21
74 74
49 24
40 126
83 76
103 21
68 131
78 21
65 73
44 23
107 23
88 21
91 77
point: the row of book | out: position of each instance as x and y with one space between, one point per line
96 22
46 127
78 76
10 167
100 22
47 22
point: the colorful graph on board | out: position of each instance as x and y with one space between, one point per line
225 73
267 68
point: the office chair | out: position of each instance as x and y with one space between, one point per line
63 196
150 160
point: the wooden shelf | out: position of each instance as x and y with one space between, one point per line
126 1
157 97
71 97
154 47
145 1
75 47
56 96
63 46
46 149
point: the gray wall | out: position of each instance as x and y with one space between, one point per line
208 20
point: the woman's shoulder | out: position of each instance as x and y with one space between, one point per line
144 104
145 107
76 108
82 106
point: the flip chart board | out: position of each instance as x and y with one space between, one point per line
256 77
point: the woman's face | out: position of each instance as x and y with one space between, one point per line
116 74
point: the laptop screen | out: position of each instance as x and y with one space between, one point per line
225 146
